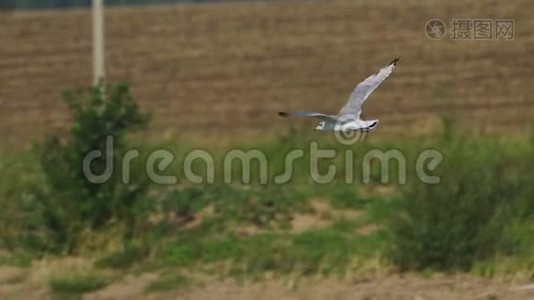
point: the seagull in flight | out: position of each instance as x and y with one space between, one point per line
348 118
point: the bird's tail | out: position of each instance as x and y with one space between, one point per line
284 114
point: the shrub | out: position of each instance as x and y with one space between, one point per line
462 219
69 204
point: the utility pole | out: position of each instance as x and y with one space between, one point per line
98 40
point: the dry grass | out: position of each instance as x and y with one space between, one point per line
375 282
238 64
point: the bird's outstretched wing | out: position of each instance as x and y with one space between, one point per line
319 116
365 88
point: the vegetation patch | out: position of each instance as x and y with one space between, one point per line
76 284
168 282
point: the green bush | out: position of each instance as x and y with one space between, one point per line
462 219
69 204
17 222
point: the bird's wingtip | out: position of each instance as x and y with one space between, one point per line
283 114
395 61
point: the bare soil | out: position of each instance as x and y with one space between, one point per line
15 284
241 63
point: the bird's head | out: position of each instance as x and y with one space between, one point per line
320 126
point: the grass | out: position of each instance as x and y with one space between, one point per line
124 259
73 285
244 231
324 251
348 198
16 278
167 282
19 259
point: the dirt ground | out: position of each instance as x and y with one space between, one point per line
375 287
375 283
241 63
387 288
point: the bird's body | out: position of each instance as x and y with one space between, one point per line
348 118
348 125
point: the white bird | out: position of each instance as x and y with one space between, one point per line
348 118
